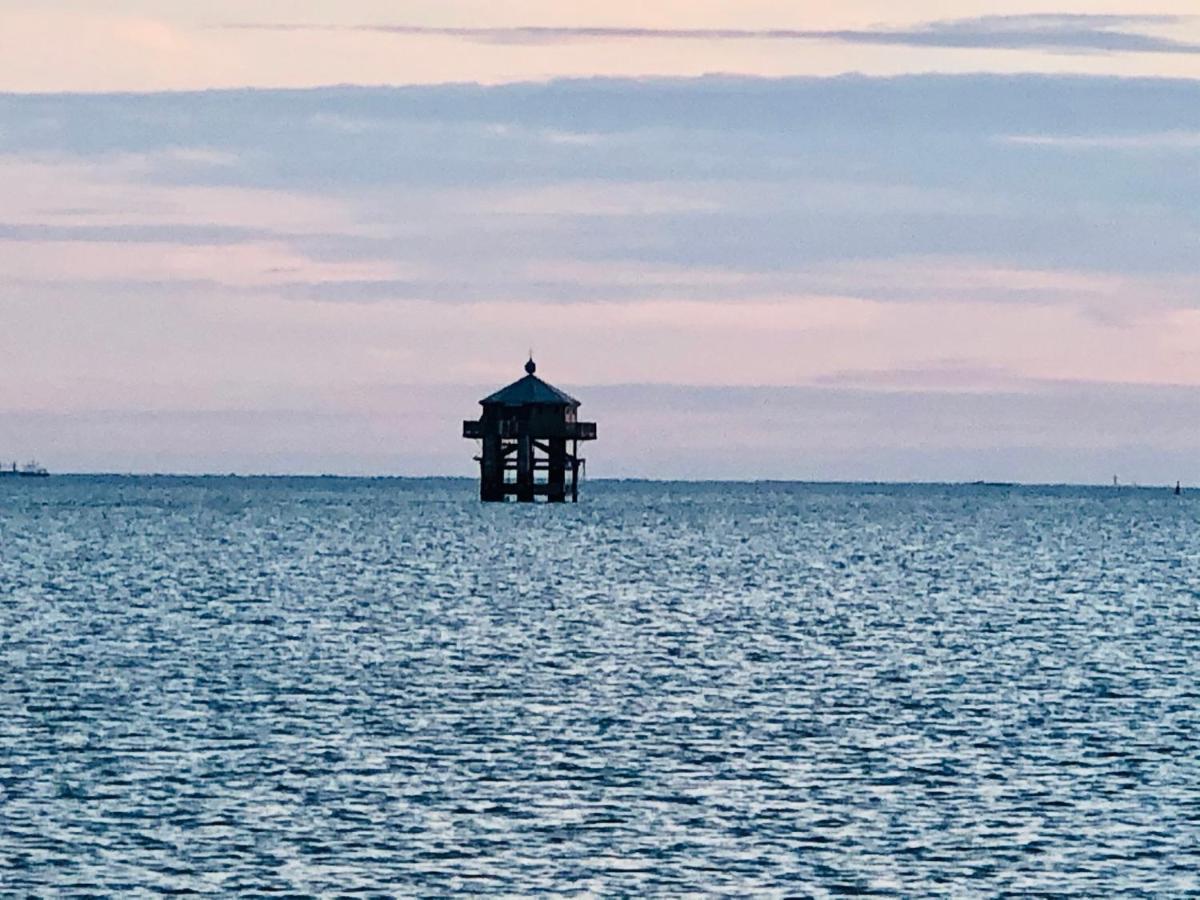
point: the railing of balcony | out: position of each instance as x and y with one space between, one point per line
511 428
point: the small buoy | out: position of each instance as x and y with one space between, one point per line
1178 489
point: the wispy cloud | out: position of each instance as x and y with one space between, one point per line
1167 141
773 180
1078 33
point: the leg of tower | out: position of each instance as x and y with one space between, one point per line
491 470
525 469
574 471
558 470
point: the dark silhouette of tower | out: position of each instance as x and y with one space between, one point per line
530 437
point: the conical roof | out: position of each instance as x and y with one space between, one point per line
529 390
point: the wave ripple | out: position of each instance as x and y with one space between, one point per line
234 686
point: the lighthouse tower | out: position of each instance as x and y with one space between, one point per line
530 434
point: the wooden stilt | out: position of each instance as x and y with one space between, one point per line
525 469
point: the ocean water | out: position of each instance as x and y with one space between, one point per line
314 686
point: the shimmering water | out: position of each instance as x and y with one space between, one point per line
316 686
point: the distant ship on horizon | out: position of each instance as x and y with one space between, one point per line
29 470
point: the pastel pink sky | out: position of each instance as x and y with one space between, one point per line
327 281
148 45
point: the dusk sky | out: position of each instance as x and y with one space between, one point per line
757 239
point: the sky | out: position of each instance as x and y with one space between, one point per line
760 239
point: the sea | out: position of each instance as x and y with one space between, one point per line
381 687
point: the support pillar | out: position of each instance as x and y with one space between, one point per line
491 470
525 469
574 471
557 471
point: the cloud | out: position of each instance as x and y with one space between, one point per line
1165 142
711 188
1078 33
210 235
908 261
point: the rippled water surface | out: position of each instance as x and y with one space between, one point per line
234 686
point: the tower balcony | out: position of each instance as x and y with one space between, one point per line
512 428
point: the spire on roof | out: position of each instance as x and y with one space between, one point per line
530 390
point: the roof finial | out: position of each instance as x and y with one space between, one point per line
531 366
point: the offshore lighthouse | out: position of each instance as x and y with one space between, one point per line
530 434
